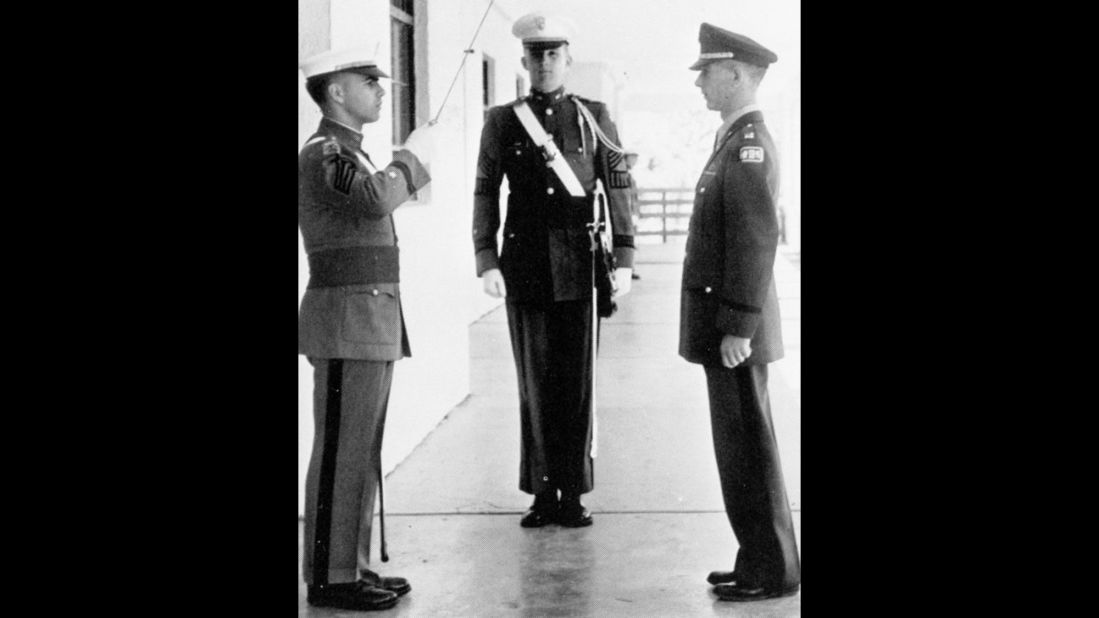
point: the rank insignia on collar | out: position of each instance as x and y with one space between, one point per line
751 154
331 147
750 135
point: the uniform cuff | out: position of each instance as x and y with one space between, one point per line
487 260
623 257
737 323
415 171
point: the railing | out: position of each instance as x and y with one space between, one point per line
671 205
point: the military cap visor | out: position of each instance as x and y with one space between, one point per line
542 45
721 44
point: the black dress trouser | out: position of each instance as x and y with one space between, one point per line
751 476
551 343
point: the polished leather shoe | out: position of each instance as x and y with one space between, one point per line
744 592
358 596
536 517
721 577
573 515
399 585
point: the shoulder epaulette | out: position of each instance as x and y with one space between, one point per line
585 100
329 145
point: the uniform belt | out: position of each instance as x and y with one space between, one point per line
352 265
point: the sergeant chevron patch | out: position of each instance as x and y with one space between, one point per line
343 175
751 154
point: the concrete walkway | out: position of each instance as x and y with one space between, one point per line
453 505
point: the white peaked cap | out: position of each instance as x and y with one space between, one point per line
540 29
357 59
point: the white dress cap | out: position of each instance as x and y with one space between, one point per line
358 59
538 28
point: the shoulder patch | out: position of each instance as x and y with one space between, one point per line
751 154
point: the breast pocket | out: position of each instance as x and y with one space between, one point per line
520 157
706 183
372 314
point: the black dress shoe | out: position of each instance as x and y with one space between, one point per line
635 276
572 514
399 585
359 596
744 592
536 517
721 577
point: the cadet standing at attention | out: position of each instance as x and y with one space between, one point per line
729 320
544 267
350 325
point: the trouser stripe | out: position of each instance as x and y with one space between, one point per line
327 481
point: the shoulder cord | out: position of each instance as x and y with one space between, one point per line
585 113
591 129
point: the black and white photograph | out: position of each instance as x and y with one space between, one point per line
549 307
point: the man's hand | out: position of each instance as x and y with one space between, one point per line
422 142
735 350
623 280
493 282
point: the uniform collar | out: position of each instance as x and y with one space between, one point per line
342 131
737 114
547 98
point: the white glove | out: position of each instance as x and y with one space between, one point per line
421 142
623 279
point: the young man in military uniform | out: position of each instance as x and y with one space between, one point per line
350 325
729 319
544 268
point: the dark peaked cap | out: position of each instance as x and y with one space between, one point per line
720 44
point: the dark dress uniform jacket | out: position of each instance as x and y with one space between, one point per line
352 307
546 250
728 282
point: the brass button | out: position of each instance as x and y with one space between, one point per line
545 478
549 191
549 112
709 289
702 190
375 291
517 153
